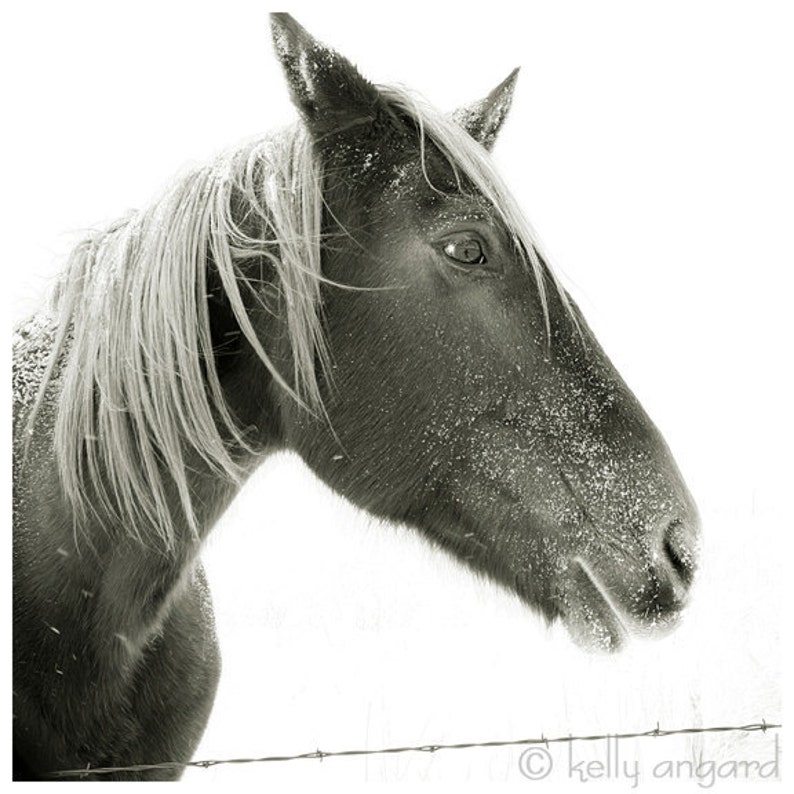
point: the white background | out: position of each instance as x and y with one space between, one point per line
650 144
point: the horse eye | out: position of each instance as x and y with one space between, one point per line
467 251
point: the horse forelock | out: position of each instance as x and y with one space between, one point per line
470 160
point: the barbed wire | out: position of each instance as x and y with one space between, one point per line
656 732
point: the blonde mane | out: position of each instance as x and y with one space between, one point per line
139 392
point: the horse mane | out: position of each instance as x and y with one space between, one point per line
140 395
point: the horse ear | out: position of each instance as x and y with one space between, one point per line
327 89
483 119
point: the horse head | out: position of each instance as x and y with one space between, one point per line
463 392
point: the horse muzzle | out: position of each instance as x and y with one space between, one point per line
611 597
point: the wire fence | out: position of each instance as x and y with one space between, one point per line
656 732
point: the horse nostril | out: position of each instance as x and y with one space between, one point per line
679 549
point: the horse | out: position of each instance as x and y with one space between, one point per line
362 289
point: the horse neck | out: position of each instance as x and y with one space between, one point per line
119 584
146 578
